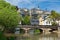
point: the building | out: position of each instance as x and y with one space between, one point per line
24 12
58 22
34 17
37 16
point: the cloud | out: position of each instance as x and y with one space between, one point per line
16 2
49 0
49 4
13 2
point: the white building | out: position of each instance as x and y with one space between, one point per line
58 22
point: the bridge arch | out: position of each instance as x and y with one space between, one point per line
41 30
52 30
22 30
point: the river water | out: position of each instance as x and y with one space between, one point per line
51 36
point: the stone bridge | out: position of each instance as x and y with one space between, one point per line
44 28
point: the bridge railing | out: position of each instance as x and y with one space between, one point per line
38 26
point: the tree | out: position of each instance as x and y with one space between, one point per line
9 17
26 20
54 16
54 24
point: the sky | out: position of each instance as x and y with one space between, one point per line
43 4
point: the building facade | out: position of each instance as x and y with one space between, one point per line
37 16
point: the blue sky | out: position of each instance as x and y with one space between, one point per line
43 4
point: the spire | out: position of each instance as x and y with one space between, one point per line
46 9
38 6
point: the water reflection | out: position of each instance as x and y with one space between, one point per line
51 36
59 36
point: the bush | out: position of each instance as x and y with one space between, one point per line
54 24
11 38
37 31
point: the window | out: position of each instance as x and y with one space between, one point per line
44 17
23 14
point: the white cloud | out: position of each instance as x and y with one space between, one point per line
49 0
51 4
16 2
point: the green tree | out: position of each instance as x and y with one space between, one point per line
9 17
54 16
26 20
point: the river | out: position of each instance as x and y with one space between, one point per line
51 36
